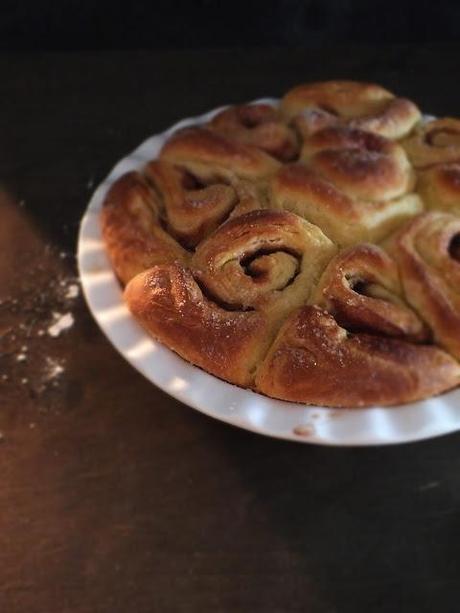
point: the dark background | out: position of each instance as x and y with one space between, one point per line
150 24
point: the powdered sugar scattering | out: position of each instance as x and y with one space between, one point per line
35 320
61 322
72 291
54 368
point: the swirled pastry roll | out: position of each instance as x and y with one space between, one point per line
359 343
158 216
133 235
193 206
360 105
259 125
356 186
361 289
316 361
434 142
439 188
170 305
223 313
208 155
428 255
265 260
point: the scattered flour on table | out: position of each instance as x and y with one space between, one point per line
54 368
22 355
61 322
35 321
72 291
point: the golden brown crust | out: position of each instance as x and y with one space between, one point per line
266 260
209 155
429 262
434 142
344 219
355 185
169 304
439 188
133 235
193 208
349 99
361 164
259 125
247 247
312 120
253 271
361 289
316 361
361 105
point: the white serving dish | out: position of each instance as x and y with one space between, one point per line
216 398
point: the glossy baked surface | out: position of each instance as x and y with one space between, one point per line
238 406
224 241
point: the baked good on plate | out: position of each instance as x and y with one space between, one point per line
308 250
434 142
439 187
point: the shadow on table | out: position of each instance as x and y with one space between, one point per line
360 523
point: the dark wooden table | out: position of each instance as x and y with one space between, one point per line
115 498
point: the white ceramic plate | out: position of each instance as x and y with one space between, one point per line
224 401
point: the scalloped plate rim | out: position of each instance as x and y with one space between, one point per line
196 388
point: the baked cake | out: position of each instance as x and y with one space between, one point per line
308 250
